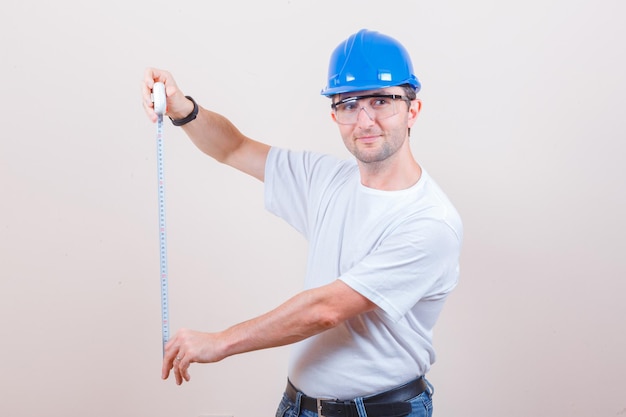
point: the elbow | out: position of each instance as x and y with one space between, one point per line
326 319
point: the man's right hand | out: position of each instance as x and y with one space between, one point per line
178 106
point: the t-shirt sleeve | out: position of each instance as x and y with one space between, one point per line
417 262
293 180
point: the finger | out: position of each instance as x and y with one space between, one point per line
147 83
151 75
184 370
180 367
150 112
148 107
169 356
177 371
166 368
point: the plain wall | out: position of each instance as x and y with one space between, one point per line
522 124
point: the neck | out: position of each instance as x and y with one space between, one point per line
398 172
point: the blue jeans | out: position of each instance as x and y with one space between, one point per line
421 406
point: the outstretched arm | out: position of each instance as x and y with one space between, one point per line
306 314
212 133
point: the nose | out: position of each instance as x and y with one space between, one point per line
368 118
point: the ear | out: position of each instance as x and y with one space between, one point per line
332 116
414 111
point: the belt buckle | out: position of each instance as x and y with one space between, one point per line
320 403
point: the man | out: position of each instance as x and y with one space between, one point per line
384 243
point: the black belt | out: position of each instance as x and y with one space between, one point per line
392 403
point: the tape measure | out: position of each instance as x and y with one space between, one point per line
159 99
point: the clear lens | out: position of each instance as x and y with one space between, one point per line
377 107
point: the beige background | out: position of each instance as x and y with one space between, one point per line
523 125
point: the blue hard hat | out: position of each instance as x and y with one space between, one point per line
369 60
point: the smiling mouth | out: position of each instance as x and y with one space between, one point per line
367 139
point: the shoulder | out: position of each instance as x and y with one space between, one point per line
308 162
432 206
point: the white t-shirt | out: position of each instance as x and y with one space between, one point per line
400 249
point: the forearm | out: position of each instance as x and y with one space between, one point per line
214 135
299 318
217 137
304 315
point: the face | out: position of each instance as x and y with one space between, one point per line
372 139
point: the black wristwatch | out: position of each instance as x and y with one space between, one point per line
190 117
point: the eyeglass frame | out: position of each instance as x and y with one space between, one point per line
393 97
